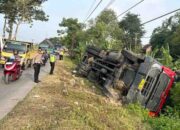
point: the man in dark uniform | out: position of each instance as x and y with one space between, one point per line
37 61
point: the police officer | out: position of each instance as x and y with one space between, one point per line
61 54
52 59
37 61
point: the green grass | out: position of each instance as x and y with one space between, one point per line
58 104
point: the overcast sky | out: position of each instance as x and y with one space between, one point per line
57 9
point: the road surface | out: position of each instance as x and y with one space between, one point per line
14 92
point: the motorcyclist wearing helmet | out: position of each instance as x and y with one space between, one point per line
15 56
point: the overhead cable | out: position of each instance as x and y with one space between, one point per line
160 16
92 5
130 8
109 4
93 10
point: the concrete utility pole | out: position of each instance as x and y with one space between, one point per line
136 39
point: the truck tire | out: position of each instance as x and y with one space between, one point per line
113 57
92 76
132 56
94 51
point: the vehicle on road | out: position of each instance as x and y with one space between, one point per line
12 70
25 49
128 76
47 45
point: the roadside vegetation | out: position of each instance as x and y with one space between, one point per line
104 33
63 101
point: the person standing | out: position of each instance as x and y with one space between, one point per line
61 54
52 60
37 61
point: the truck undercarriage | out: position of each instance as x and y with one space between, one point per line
129 77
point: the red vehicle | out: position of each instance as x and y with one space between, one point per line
151 86
163 96
12 71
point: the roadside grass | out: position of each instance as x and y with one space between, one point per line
64 101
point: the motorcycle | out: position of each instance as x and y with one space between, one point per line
12 71
45 59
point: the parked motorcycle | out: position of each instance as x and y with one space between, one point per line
12 71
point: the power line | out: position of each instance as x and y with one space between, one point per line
109 4
130 8
92 5
160 17
93 10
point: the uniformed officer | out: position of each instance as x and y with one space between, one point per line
52 60
37 61
61 54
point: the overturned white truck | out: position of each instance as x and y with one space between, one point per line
138 78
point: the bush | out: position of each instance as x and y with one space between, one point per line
167 121
164 122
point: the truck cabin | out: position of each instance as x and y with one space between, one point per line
10 46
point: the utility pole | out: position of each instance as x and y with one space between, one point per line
135 43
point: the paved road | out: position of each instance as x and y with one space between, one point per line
11 94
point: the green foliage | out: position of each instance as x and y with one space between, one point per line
80 50
163 55
133 31
164 123
175 97
168 121
104 31
166 59
168 33
72 33
22 11
177 64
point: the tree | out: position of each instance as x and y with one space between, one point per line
105 32
72 29
29 11
21 11
168 32
133 31
9 9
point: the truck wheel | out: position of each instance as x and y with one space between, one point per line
132 56
93 51
92 76
7 78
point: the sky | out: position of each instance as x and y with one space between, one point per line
58 9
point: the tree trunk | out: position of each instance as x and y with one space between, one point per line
10 29
72 53
16 30
4 27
